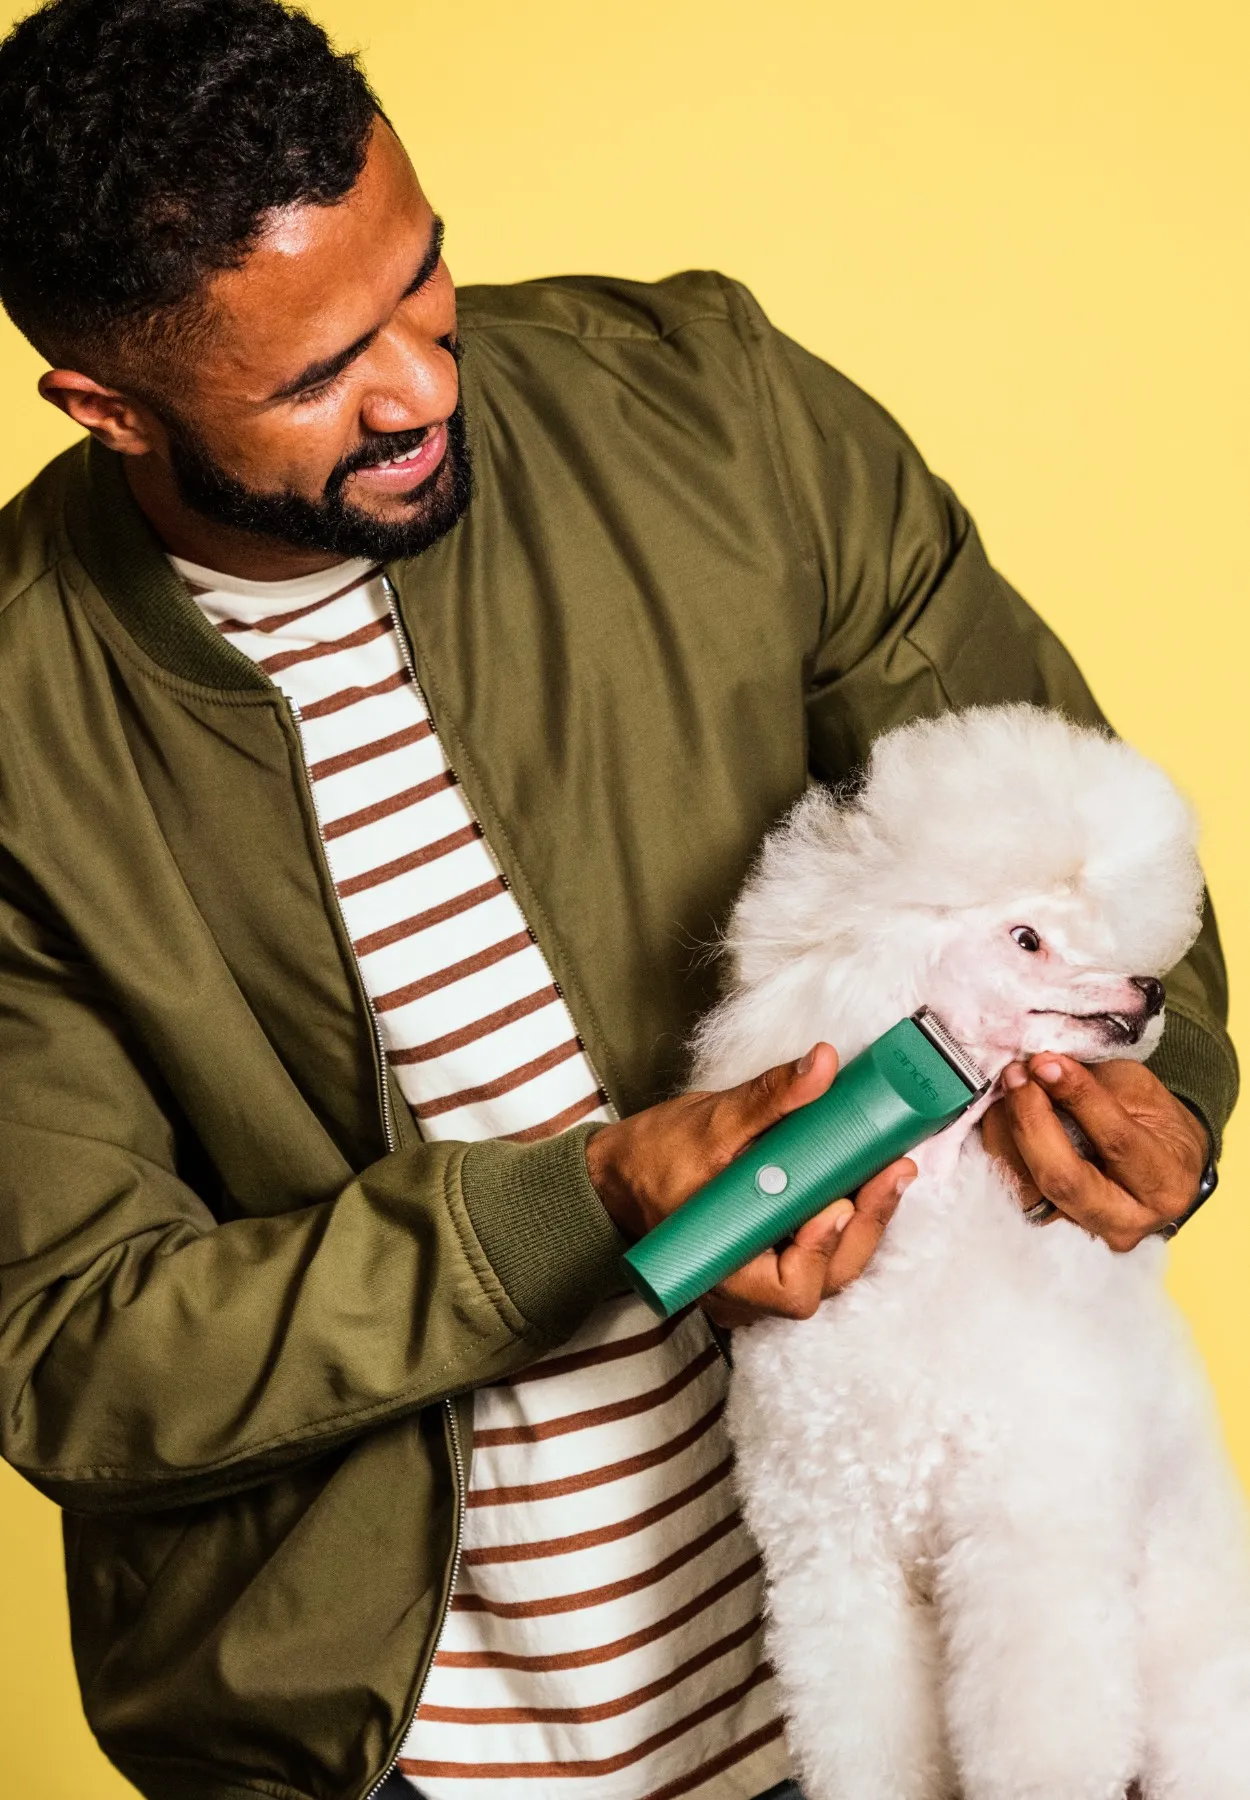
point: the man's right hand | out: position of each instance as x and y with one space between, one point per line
643 1168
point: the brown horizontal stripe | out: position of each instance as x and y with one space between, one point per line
716 1765
416 859
591 1416
287 659
441 978
422 921
352 696
363 753
592 1478
602 1653
555 1604
606 1709
553 1127
603 1534
469 1034
383 809
275 621
503 1084
635 1345
605 1765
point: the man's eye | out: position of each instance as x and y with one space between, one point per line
315 393
1026 937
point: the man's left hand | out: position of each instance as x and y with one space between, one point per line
1150 1150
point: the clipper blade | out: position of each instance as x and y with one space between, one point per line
926 1020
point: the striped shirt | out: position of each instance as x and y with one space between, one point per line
606 1620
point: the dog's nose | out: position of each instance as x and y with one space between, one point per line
1152 992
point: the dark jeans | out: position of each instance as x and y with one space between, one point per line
396 1787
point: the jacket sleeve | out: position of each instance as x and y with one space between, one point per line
152 1354
916 621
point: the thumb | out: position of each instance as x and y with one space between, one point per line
753 1107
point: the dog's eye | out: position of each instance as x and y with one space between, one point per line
1026 937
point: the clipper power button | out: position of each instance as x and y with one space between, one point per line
772 1179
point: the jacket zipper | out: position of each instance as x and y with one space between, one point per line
457 1456
392 1144
401 638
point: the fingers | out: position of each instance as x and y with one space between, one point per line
1065 1178
823 1232
788 1284
1130 1154
875 1205
744 1112
1150 1149
996 1135
825 1254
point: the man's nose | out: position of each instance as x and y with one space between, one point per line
415 383
1152 993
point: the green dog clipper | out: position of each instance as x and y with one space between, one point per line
907 1086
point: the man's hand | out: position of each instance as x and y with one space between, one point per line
645 1167
1151 1151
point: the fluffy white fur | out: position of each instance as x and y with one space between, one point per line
1006 1556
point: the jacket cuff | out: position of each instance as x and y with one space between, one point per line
543 1228
1197 1067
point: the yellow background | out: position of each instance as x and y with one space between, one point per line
1021 224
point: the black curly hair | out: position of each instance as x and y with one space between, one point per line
142 143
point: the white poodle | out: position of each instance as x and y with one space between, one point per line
1007 1559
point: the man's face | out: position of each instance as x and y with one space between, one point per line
324 410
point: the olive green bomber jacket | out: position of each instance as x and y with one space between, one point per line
235 1287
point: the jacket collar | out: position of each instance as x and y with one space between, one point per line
124 559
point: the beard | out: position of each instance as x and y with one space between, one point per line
332 524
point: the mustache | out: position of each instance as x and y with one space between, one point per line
384 447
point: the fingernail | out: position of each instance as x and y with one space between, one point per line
1048 1071
843 1218
902 1184
1014 1077
804 1065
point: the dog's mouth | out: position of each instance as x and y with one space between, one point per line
1124 1028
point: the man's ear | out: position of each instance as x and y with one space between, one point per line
118 421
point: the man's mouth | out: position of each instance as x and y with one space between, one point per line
401 474
394 462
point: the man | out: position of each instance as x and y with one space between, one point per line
395 695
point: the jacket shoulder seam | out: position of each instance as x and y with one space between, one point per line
738 304
19 594
599 335
699 310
